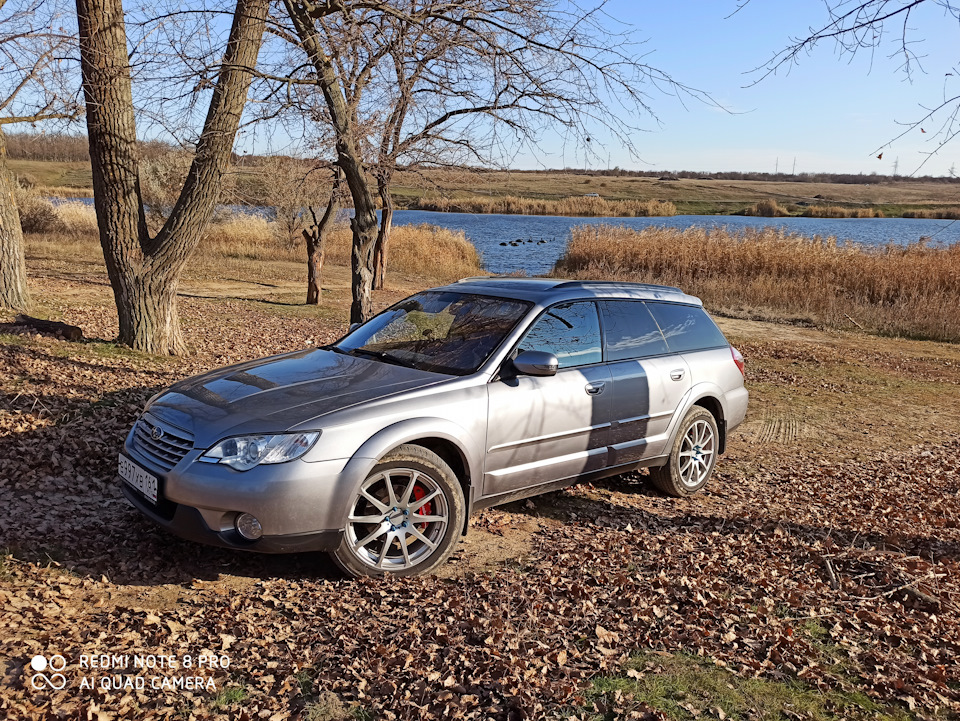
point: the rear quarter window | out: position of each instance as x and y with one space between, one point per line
686 327
630 331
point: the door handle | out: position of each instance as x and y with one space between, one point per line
677 374
594 389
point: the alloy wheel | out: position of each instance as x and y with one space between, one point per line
696 453
397 520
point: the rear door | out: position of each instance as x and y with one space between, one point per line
543 429
649 381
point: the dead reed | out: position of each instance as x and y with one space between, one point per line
941 214
767 209
909 291
585 206
836 211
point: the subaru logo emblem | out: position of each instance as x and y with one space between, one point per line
157 433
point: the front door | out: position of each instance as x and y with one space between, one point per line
543 429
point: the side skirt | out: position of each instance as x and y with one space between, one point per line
510 496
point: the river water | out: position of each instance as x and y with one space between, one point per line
487 232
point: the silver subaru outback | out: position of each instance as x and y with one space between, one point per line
378 448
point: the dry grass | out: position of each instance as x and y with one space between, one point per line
772 209
911 291
236 239
767 209
945 214
836 211
416 249
585 206
76 217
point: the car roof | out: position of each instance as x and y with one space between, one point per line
551 290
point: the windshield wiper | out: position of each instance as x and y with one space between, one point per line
383 356
335 349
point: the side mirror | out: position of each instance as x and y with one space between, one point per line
536 363
353 327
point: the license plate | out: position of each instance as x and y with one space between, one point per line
133 474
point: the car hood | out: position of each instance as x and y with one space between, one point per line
275 394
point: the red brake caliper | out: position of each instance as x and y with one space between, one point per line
426 509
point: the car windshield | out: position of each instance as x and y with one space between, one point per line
437 331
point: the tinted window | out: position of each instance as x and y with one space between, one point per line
437 331
630 331
571 331
686 327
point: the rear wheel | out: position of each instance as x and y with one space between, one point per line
692 456
406 517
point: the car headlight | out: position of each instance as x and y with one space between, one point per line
244 452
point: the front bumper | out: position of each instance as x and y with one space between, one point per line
301 506
187 522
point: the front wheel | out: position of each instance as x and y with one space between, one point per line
692 456
406 517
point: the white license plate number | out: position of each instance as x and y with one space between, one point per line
140 479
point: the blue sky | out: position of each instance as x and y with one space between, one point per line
829 113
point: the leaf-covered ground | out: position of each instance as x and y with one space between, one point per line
818 577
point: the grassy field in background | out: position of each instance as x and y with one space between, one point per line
480 192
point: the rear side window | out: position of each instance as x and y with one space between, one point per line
571 331
686 327
630 331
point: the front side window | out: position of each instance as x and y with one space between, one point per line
436 331
686 327
571 331
630 331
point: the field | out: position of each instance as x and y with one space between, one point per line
485 191
817 578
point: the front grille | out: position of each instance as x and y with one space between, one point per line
164 452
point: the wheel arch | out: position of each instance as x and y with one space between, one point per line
715 407
709 397
441 436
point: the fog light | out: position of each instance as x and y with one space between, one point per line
249 527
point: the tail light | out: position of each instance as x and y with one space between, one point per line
737 358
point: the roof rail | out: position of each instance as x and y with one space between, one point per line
503 277
613 284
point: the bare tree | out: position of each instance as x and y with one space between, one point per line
868 25
471 77
349 156
316 236
145 269
36 77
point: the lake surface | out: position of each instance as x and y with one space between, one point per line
486 232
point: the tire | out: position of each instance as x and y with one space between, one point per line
381 536
697 440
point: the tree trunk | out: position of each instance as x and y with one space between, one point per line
314 264
349 159
316 237
145 272
383 234
13 270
